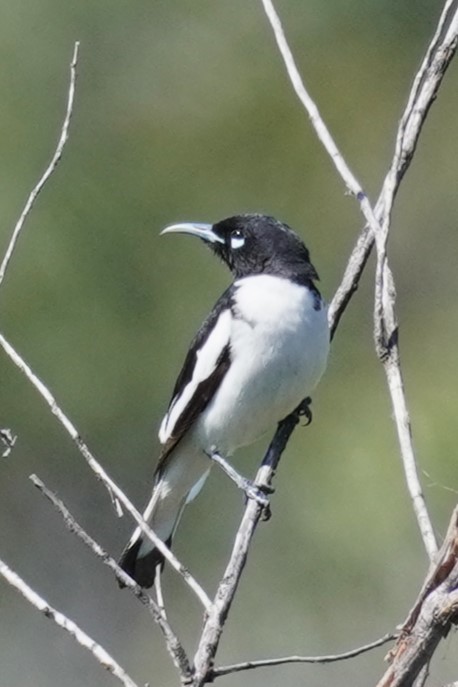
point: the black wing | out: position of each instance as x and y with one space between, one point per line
206 363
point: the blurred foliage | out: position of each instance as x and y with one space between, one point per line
183 112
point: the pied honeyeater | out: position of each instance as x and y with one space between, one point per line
259 353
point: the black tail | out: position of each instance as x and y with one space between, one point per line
141 568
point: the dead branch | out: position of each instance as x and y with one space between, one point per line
100 473
7 441
49 169
431 618
437 607
174 646
331 658
423 93
81 637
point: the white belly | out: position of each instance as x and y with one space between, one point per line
280 344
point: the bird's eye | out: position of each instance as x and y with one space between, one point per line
237 239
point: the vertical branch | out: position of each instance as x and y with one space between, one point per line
386 330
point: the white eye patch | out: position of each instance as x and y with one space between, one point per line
237 242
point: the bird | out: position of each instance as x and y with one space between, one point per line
260 352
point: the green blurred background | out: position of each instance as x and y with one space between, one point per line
183 112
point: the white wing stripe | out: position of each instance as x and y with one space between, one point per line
206 360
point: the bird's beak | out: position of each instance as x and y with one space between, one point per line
203 231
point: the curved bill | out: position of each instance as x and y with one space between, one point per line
202 231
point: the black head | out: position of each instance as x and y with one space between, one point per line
255 244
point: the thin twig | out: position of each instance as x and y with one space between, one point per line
173 644
353 185
431 618
422 676
99 653
7 441
331 658
159 591
423 92
100 472
50 168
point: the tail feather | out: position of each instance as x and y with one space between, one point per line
177 483
142 568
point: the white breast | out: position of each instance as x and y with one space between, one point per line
279 348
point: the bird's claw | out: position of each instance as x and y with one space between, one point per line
260 495
305 411
255 493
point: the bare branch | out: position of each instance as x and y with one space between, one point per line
385 321
386 334
422 676
99 653
431 618
100 472
353 185
50 168
227 588
331 658
174 646
7 440
423 93
159 592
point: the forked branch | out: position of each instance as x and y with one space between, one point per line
423 93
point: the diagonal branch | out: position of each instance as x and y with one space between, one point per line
7 441
227 588
101 474
433 615
49 169
99 653
174 646
422 94
324 135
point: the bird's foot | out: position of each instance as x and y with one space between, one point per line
249 488
305 411
260 495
